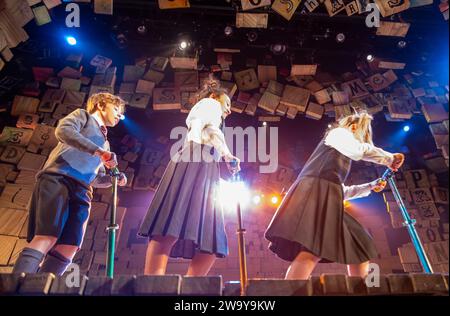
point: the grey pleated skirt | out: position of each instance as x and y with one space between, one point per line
312 218
186 205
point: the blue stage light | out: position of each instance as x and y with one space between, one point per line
406 128
72 41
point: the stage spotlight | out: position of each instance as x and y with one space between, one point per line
122 117
252 36
264 124
228 31
340 38
370 58
278 49
142 29
257 199
72 41
274 199
233 192
406 128
401 44
184 44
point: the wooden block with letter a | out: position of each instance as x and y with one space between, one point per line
286 8
166 99
295 97
388 8
246 80
252 20
22 104
173 4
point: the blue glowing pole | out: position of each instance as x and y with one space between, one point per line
409 223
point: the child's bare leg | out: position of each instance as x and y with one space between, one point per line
158 252
361 270
42 243
201 264
302 266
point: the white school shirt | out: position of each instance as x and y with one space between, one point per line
345 142
203 124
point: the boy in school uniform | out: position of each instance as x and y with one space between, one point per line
62 196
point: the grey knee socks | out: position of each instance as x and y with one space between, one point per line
55 263
28 261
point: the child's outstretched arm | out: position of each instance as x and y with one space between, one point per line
363 190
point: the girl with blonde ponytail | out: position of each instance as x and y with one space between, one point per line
310 225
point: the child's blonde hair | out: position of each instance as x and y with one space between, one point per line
363 122
104 98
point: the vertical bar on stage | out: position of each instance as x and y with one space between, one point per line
112 227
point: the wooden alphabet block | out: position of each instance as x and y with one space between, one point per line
101 62
63 110
250 5
315 111
269 102
429 234
43 138
322 96
313 86
230 87
184 63
421 195
22 104
388 8
416 179
275 88
70 84
383 64
303 70
159 63
99 89
7 244
342 111
132 73
388 28
253 104
74 98
434 112
16 196
267 73
252 20
12 154
437 252
311 5
11 221
139 100
334 6
27 121
166 99
286 8
399 109
246 80
51 99
15 136
154 76
340 97
355 89
31 162
187 101
173 4
42 74
353 7
427 211
186 80
145 87
295 97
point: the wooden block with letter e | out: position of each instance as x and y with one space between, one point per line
246 80
166 99
334 6
51 99
22 104
295 97
286 8
269 102
15 136
186 80
388 8
27 121
252 20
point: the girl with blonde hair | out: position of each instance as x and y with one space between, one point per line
311 225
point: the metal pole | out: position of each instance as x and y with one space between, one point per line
113 227
409 223
241 243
